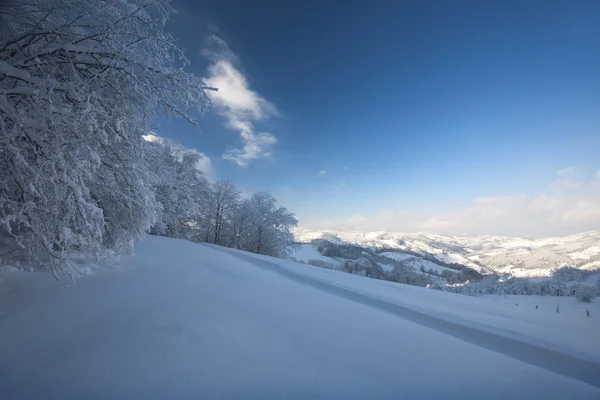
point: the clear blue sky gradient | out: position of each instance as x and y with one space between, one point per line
404 103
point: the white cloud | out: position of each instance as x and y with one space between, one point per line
570 204
205 165
255 144
238 104
322 172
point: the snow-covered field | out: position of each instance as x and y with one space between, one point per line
184 320
306 252
457 259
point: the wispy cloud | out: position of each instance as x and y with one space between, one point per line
322 172
570 204
238 104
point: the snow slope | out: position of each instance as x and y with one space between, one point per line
184 320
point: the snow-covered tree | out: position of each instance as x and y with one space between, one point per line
179 186
79 81
567 274
363 267
323 264
224 198
585 293
255 224
270 232
241 225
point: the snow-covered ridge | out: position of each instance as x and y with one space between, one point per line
523 257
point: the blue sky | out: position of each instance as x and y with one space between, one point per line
448 116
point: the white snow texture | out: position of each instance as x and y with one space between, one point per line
181 320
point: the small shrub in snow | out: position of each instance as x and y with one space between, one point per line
585 294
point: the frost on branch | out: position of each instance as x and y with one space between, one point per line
79 81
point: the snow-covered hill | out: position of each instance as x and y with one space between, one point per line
185 320
519 257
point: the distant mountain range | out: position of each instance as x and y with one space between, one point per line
520 257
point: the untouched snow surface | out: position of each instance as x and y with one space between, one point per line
306 252
180 320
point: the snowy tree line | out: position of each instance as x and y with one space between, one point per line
79 82
189 207
565 281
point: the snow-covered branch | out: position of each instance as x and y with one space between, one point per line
79 81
